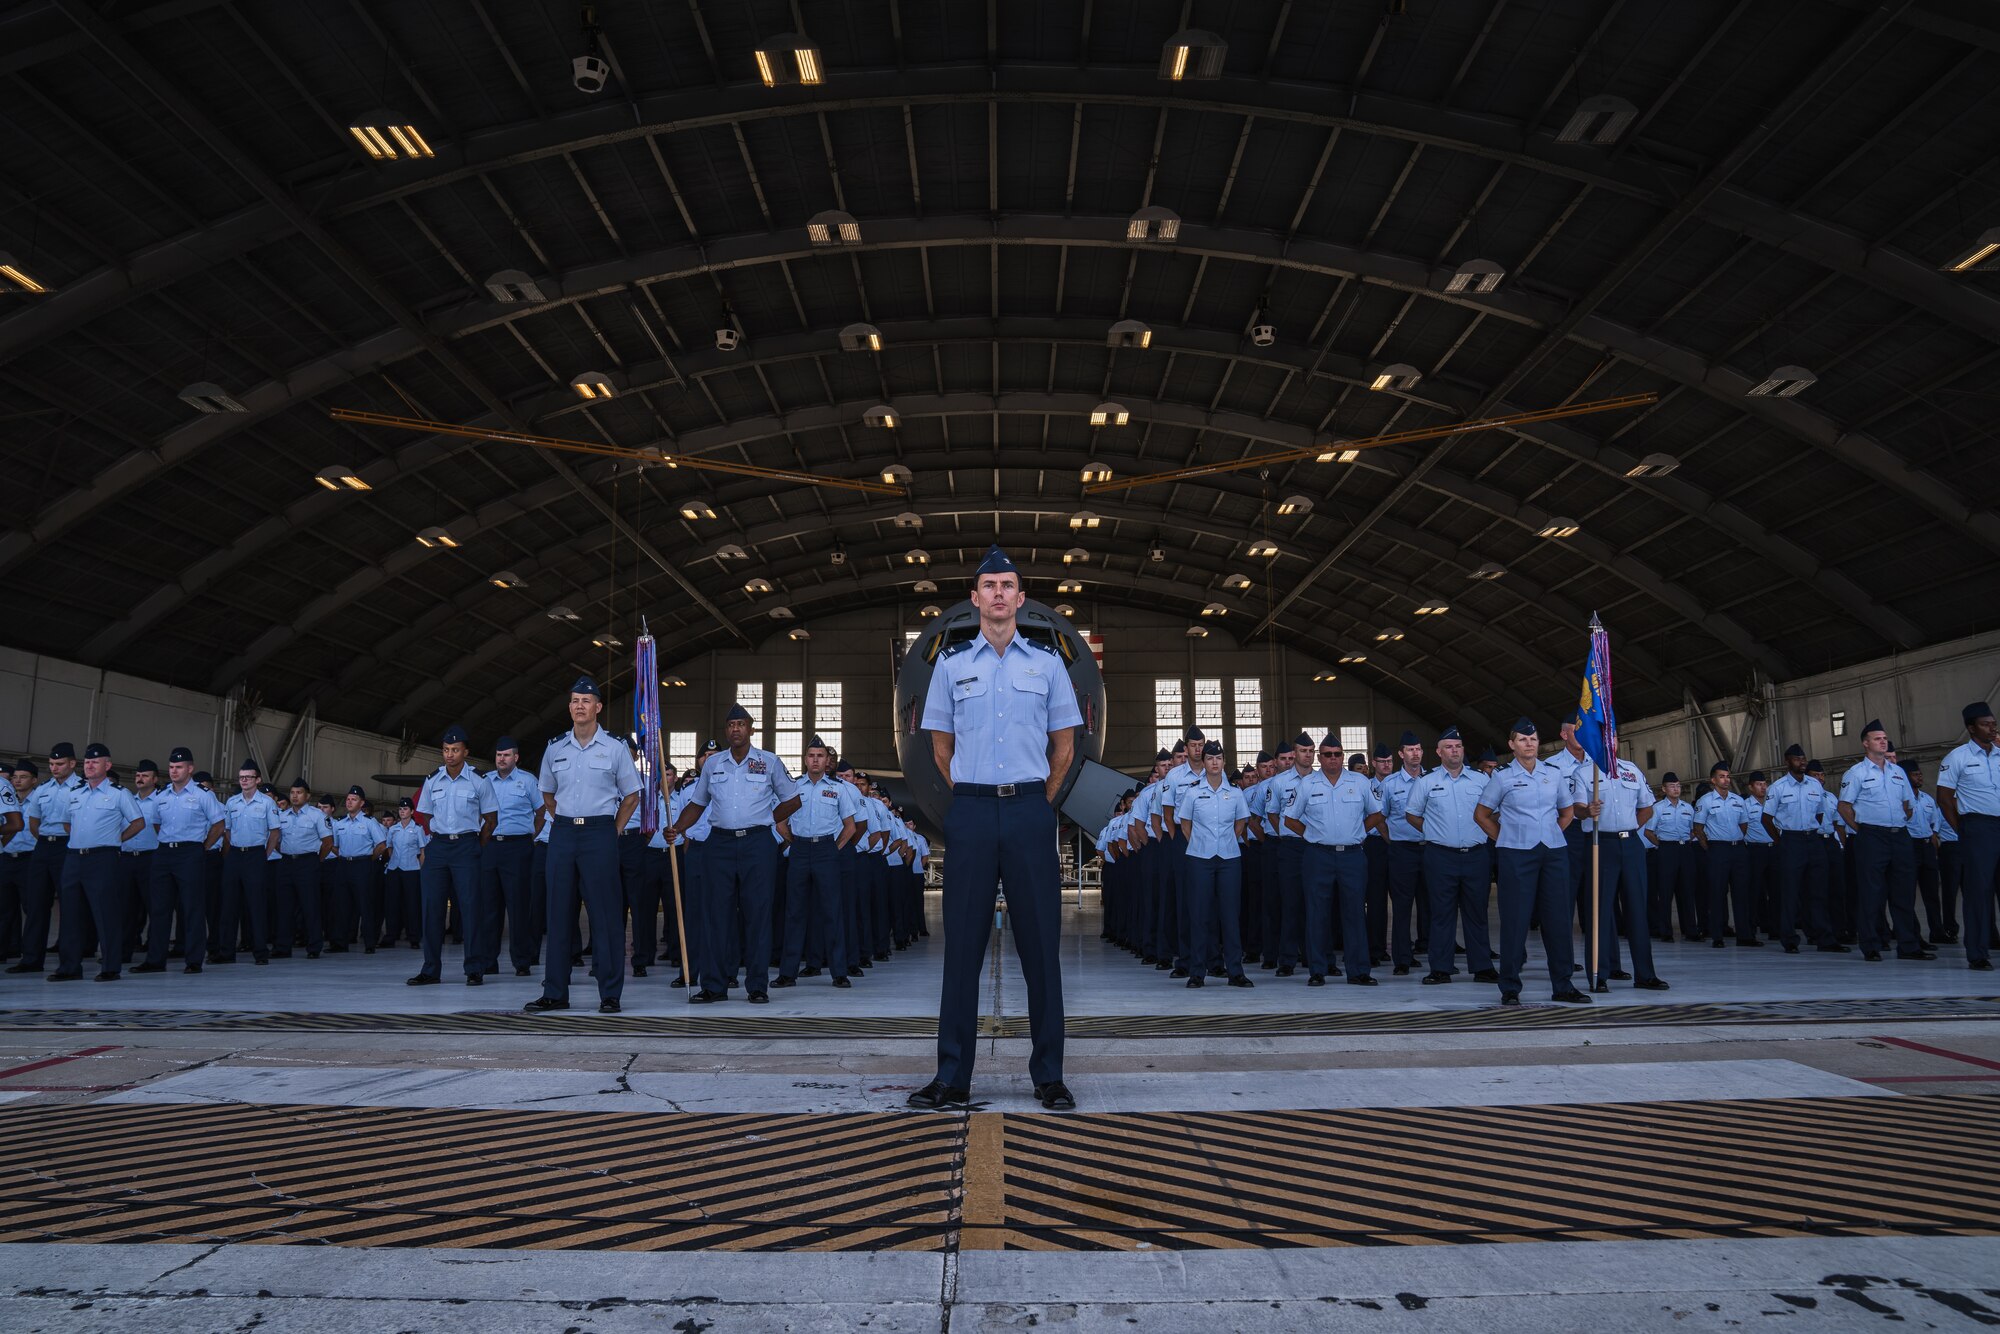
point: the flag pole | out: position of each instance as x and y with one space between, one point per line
1597 825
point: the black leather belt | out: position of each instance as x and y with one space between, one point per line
1884 829
85 852
180 843
295 856
1798 833
996 790
359 857
586 821
1335 847
509 838
1470 847
46 839
814 838
134 852
452 838
741 833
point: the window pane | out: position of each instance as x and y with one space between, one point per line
788 749
1317 734
826 708
1248 696
1354 740
1167 706
790 713
680 749
1207 702
750 694
1165 738
832 739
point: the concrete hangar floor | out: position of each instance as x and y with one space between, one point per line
1780 1141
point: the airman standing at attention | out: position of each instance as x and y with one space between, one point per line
47 813
1456 861
189 821
462 811
249 841
101 817
1525 809
1792 810
1212 818
359 844
821 827
507 859
1281 803
1719 817
1338 810
1877 800
1623 807
1969 800
1671 831
1408 903
589 788
1002 718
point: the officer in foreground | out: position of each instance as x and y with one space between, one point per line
1969 800
590 786
1002 718
101 816
1525 809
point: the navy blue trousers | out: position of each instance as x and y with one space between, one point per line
1802 890
1335 881
1457 883
451 868
13 877
179 884
739 874
1621 871
1290 858
812 890
1215 902
246 895
1886 868
1979 854
40 887
93 887
504 866
1534 882
1729 889
296 903
988 841
583 865
1406 901
1674 894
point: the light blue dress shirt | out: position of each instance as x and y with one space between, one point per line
824 803
356 836
588 780
1672 822
1623 797
98 814
742 794
1924 821
300 830
10 804
1174 790
999 709
519 796
455 805
1754 812
248 821
1444 804
185 814
1831 825
1336 812
1879 793
699 831
148 838
1529 804
1213 812
406 840
1794 804
1972 772
1945 833
1281 800
1721 816
1396 792
49 803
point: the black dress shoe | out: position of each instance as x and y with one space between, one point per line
1834 949
1872 956
1571 997
1791 949
1981 965
706 997
149 967
1920 954
1434 979
881 958
679 982
261 963
543 1004
1178 972
760 998
809 972
106 977
336 949
421 980
65 977
1510 998
1216 970
1620 975
1197 982
1650 984
1402 970
1055 1096
192 968
368 949
475 979
1750 944
856 972
1316 980
1362 982
1718 943
523 972
1286 970
784 982
842 983
1241 981
1487 975
935 1095
24 968
638 970
312 954
607 1007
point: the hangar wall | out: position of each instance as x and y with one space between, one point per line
1917 695
45 700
